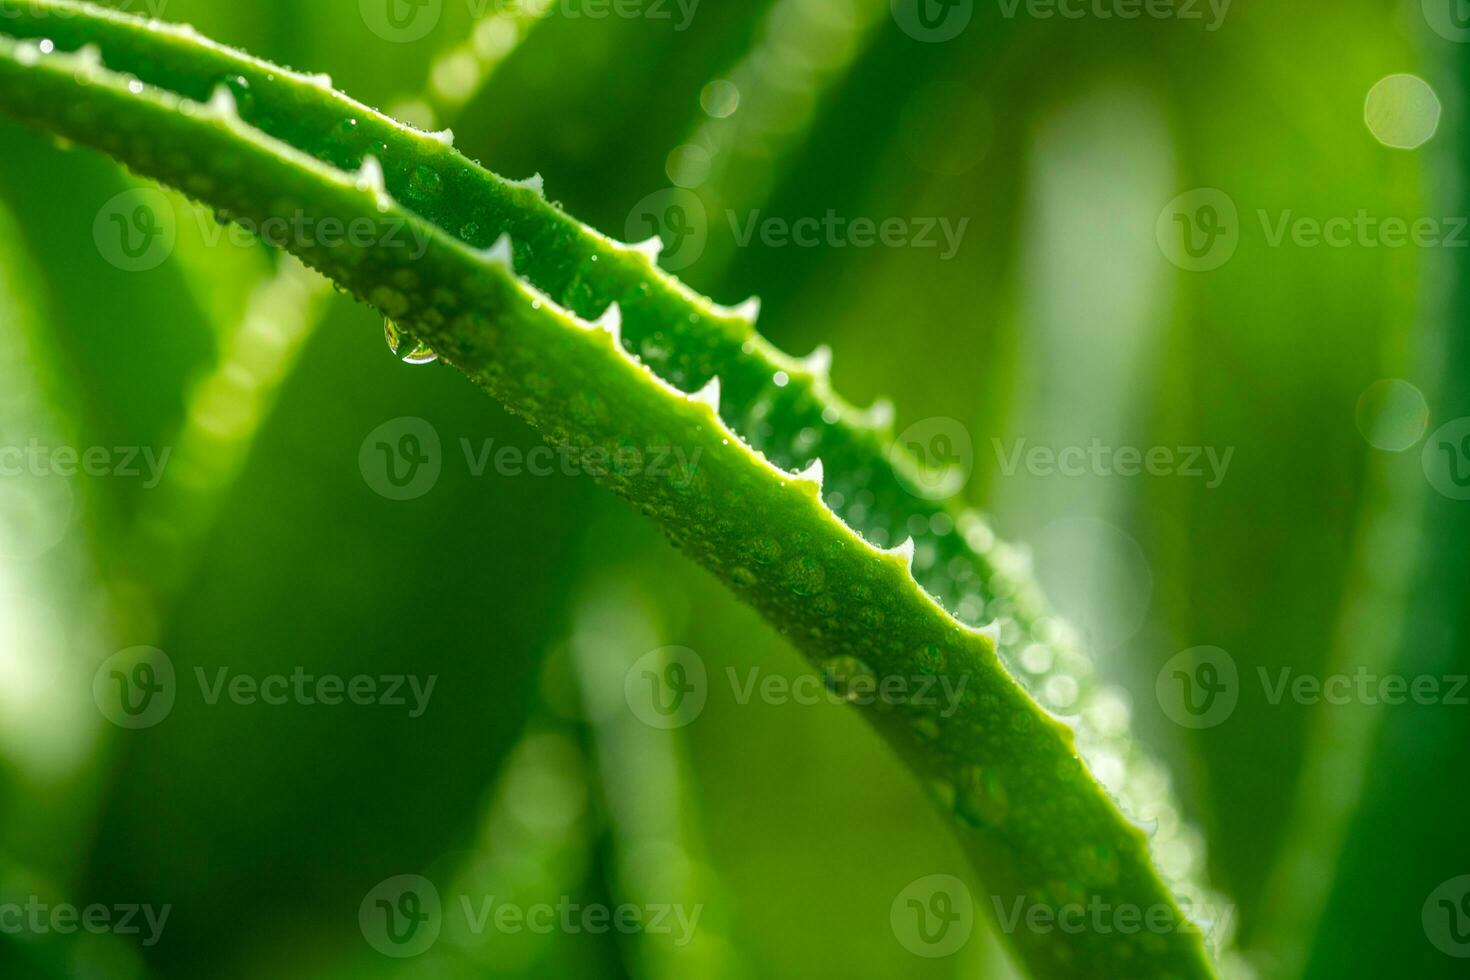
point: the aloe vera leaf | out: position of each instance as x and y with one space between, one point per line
1034 821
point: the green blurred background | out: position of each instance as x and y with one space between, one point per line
1332 372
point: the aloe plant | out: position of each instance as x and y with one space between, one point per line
800 502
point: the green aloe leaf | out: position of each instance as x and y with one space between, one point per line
614 360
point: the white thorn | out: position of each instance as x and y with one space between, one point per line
222 103
321 80
819 361
650 249
531 183
749 311
501 253
370 175
880 415
370 178
813 473
444 137
904 551
88 57
709 395
991 631
611 321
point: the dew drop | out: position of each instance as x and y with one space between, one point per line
848 678
407 347
805 576
980 798
424 185
765 550
926 727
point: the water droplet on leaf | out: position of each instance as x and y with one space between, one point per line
407 347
